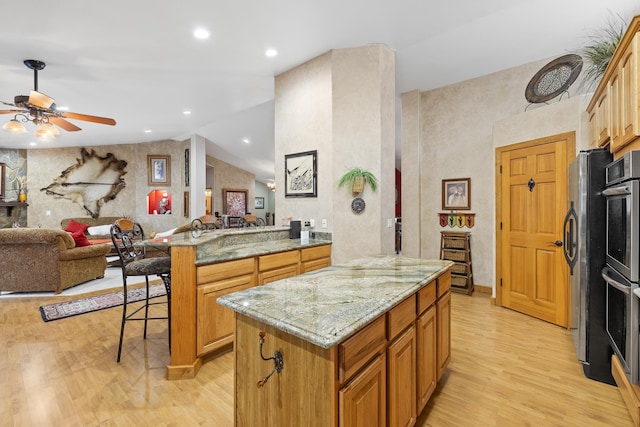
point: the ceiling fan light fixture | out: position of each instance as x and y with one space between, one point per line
14 126
47 132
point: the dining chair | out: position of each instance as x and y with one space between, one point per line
133 262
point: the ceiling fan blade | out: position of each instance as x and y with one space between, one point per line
11 111
40 99
68 126
87 118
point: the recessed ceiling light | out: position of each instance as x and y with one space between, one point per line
62 108
201 33
33 144
271 53
147 131
186 112
246 140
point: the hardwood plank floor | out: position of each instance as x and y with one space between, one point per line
507 369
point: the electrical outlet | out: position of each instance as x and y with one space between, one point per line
389 222
307 224
312 223
324 223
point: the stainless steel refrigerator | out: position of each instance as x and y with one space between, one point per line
584 250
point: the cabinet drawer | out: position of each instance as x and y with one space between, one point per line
316 252
268 262
360 348
401 316
426 296
444 283
224 270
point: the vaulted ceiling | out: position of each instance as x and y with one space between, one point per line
139 63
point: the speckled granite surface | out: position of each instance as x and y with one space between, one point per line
235 243
326 306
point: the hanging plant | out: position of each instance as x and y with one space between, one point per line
357 178
599 50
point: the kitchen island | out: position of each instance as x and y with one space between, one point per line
205 266
361 343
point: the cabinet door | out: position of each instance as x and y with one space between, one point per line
215 322
362 401
600 130
443 322
616 120
269 276
629 93
401 380
426 362
316 264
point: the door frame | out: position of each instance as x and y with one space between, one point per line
570 151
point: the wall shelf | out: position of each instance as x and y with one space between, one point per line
10 205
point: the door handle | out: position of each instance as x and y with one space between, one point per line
557 243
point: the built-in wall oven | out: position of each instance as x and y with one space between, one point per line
622 273
622 321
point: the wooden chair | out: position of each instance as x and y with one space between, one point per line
134 263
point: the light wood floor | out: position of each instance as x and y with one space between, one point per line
507 370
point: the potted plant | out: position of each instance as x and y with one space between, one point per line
357 178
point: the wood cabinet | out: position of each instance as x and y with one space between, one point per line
382 375
200 326
314 258
614 110
278 266
362 400
401 380
600 119
426 346
443 322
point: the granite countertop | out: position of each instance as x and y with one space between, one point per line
326 306
229 244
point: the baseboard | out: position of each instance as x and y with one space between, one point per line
483 289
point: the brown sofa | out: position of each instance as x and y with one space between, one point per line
92 222
40 260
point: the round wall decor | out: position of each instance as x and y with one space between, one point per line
553 79
357 205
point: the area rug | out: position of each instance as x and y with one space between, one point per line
65 309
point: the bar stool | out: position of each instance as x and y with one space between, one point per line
133 262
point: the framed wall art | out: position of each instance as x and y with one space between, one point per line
456 194
235 201
300 174
259 202
158 170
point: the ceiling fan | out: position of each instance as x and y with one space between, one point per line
41 110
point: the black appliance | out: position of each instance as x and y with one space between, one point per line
622 273
294 232
585 252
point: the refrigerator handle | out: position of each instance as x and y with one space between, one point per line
570 238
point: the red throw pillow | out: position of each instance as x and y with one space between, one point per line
76 226
80 239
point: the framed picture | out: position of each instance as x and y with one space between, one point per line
2 180
301 175
235 201
259 202
185 208
158 170
456 194
187 167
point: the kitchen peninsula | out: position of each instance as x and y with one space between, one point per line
207 265
361 343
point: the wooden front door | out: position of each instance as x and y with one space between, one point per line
532 274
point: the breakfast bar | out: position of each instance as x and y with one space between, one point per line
360 343
207 265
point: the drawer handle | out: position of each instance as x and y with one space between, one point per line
278 361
